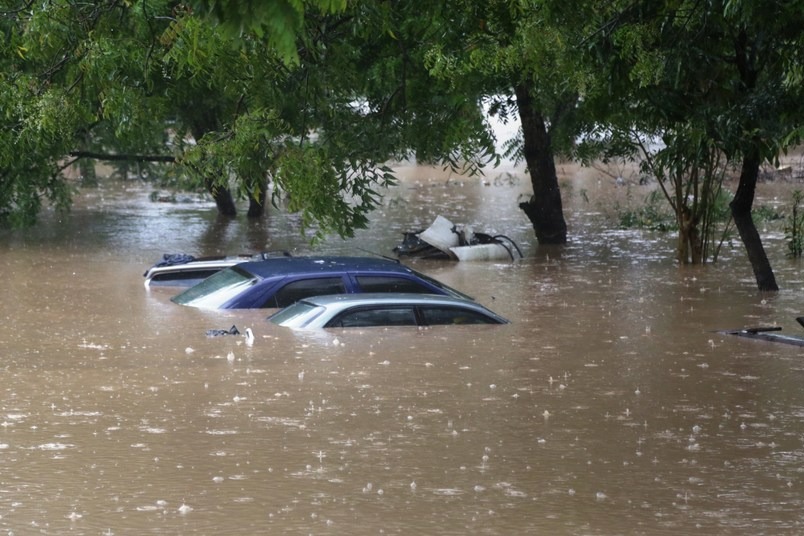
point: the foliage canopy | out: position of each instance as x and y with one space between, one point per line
308 99
156 79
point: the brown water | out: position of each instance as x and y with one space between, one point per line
608 406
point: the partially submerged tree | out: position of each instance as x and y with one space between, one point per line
238 109
53 95
234 114
729 71
515 56
323 129
690 169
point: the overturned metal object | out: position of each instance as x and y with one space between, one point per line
222 332
445 240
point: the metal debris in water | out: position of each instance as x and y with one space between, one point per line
223 332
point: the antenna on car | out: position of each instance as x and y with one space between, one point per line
379 255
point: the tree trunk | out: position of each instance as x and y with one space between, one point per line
690 242
744 198
544 208
223 199
256 199
204 119
741 211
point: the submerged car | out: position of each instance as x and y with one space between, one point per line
279 282
391 309
182 270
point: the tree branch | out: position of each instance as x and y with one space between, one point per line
124 157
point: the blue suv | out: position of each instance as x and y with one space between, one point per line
282 281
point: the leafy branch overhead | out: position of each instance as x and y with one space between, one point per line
303 102
243 96
277 21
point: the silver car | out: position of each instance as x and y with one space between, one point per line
386 309
182 270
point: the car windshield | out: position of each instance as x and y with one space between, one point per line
299 312
447 290
216 289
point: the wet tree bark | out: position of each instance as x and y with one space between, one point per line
741 211
544 208
223 198
203 119
690 242
256 199
746 62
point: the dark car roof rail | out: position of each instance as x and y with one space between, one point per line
320 263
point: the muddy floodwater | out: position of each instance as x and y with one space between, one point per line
610 405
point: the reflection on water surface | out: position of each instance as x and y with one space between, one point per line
608 406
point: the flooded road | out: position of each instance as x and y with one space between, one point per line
609 406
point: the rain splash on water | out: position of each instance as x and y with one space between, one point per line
609 405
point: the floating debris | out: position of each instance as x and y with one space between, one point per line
223 332
445 240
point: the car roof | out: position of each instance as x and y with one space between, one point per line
192 265
312 264
336 303
375 298
176 264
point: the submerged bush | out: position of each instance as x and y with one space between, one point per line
794 227
653 215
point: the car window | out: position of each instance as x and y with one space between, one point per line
297 314
167 278
449 291
375 283
434 316
305 288
375 316
230 278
